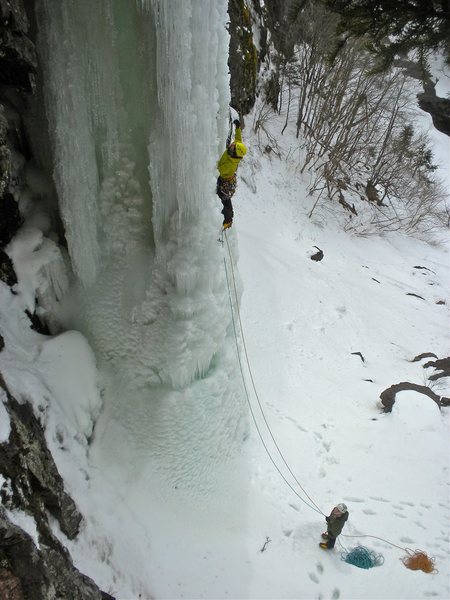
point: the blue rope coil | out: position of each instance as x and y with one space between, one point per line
363 558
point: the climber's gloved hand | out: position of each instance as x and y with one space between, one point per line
237 123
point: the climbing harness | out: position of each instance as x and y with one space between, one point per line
226 187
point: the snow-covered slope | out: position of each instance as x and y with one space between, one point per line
167 517
303 321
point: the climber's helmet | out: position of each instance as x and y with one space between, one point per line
342 508
241 149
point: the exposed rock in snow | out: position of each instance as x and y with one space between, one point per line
27 462
7 273
44 573
35 562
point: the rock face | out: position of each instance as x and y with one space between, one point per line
243 60
38 568
29 466
26 190
7 273
18 65
18 61
43 573
9 209
438 108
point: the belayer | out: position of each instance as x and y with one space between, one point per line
227 166
335 522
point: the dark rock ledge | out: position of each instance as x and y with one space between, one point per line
34 486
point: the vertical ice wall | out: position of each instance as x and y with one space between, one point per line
94 57
183 143
136 96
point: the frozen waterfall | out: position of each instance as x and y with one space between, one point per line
136 97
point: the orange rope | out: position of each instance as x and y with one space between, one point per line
418 560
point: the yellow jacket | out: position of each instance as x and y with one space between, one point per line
227 164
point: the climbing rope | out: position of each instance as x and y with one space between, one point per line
415 560
315 507
418 560
374 537
360 556
363 558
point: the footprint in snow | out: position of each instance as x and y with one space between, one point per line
400 515
319 567
405 503
406 540
378 499
368 511
294 422
353 499
336 594
313 577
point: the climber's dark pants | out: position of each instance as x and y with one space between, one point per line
227 211
330 541
225 190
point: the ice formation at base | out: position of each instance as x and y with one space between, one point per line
136 95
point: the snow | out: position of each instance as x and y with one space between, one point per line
56 374
5 424
25 522
147 403
41 270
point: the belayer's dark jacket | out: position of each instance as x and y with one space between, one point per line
335 524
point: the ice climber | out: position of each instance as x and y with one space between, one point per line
336 522
227 166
